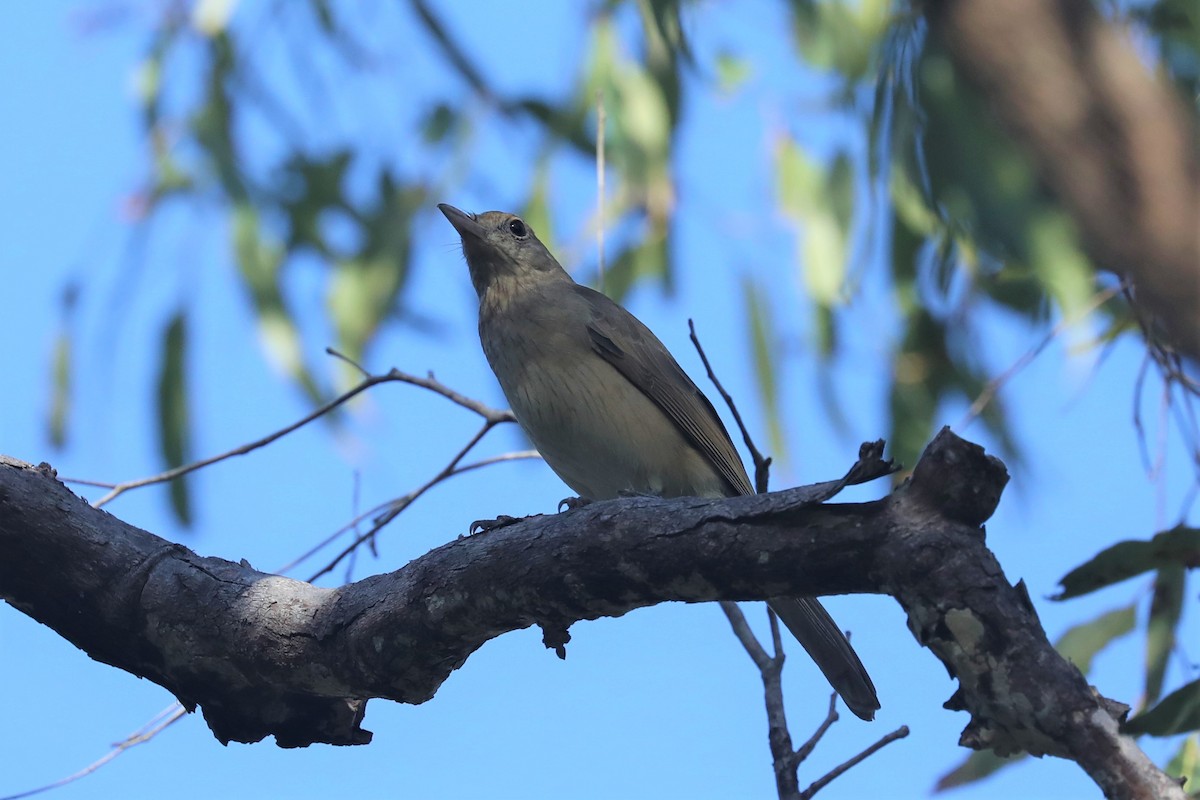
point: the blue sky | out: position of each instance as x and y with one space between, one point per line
660 703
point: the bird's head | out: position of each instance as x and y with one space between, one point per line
500 245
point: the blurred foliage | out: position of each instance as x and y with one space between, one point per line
1169 555
174 430
1186 765
925 188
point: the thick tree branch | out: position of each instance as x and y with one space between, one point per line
267 655
1113 141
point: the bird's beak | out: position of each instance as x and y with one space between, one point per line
463 222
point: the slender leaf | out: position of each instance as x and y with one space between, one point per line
762 336
1166 608
1185 765
173 419
974 767
1081 643
1179 546
1179 712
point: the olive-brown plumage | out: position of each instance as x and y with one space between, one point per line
610 409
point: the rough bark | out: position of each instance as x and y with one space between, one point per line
1111 139
265 655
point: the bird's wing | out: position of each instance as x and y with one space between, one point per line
624 342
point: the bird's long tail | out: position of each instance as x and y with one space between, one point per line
816 631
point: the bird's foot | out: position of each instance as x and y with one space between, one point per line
485 525
572 503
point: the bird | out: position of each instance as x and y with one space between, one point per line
610 409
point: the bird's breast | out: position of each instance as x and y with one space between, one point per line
595 429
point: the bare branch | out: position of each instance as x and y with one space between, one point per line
491 415
994 386
159 723
841 769
762 465
806 749
265 655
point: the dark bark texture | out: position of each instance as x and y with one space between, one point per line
266 655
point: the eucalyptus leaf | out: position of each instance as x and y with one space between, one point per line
1179 546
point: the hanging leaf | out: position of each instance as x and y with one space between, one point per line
1185 765
60 369
817 201
974 767
762 337
1179 546
173 419
1166 609
1179 712
60 389
1081 643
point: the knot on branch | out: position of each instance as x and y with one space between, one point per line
555 636
294 719
958 479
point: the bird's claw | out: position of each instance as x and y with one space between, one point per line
485 525
572 503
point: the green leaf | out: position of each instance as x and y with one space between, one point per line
758 314
1179 546
839 36
1081 643
974 767
1185 764
260 263
817 200
365 288
211 17
173 422
918 382
646 258
1179 712
536 212
441 121
1166 608
1058 261
313 186
60 370
60 402
800 181
732 73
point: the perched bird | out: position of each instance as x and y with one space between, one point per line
610 409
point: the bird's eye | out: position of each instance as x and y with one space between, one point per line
517 228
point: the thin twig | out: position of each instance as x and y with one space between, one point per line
492 415
397 506
994 386
805 750
770 669
152 728
762 464
600 124
841 769
340 356
374 511
741 629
